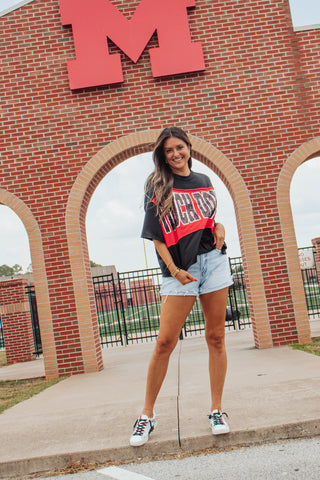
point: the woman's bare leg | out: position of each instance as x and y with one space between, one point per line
174 311
214 306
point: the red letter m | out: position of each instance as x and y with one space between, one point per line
94 20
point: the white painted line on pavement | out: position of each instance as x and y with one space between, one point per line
121 474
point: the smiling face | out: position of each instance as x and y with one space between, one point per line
177 154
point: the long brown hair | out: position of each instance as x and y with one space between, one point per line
160 181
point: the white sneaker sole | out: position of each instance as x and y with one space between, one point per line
220 430
137 442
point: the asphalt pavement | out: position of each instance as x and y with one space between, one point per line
270 394
290 459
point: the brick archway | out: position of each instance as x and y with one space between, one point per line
306 151
39 277
254 112
88 179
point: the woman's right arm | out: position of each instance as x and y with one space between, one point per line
182 275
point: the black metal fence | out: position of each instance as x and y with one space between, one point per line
239 291
311 283
34 320
30 291
128 305
1 336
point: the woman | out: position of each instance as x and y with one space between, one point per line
180 207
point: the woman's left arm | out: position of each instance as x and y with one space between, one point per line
219 235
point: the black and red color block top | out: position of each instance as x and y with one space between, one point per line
187 229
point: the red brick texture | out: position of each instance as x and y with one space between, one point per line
16 321
253 116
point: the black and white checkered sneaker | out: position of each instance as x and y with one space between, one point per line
218 422
142 429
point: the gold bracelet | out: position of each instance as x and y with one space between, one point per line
175 272
169 264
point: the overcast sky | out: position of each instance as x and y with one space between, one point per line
115 213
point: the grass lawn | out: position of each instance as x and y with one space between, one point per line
3 360
15 391
311 347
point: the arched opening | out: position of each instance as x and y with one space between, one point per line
80 196
14 243
305 205
306 151
39 278
304 200
14 261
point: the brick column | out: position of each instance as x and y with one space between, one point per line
16 321
316 251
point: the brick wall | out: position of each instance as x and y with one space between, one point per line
308 53
253 118
16 321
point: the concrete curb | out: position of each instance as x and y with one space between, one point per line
51 463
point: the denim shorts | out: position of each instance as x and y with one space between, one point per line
212 270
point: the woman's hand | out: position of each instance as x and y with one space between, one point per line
184 277
219 235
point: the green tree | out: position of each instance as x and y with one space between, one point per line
6 271
94 264
17 269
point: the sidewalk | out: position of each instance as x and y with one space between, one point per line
269 394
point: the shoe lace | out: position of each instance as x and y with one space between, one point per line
218 418
140 426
